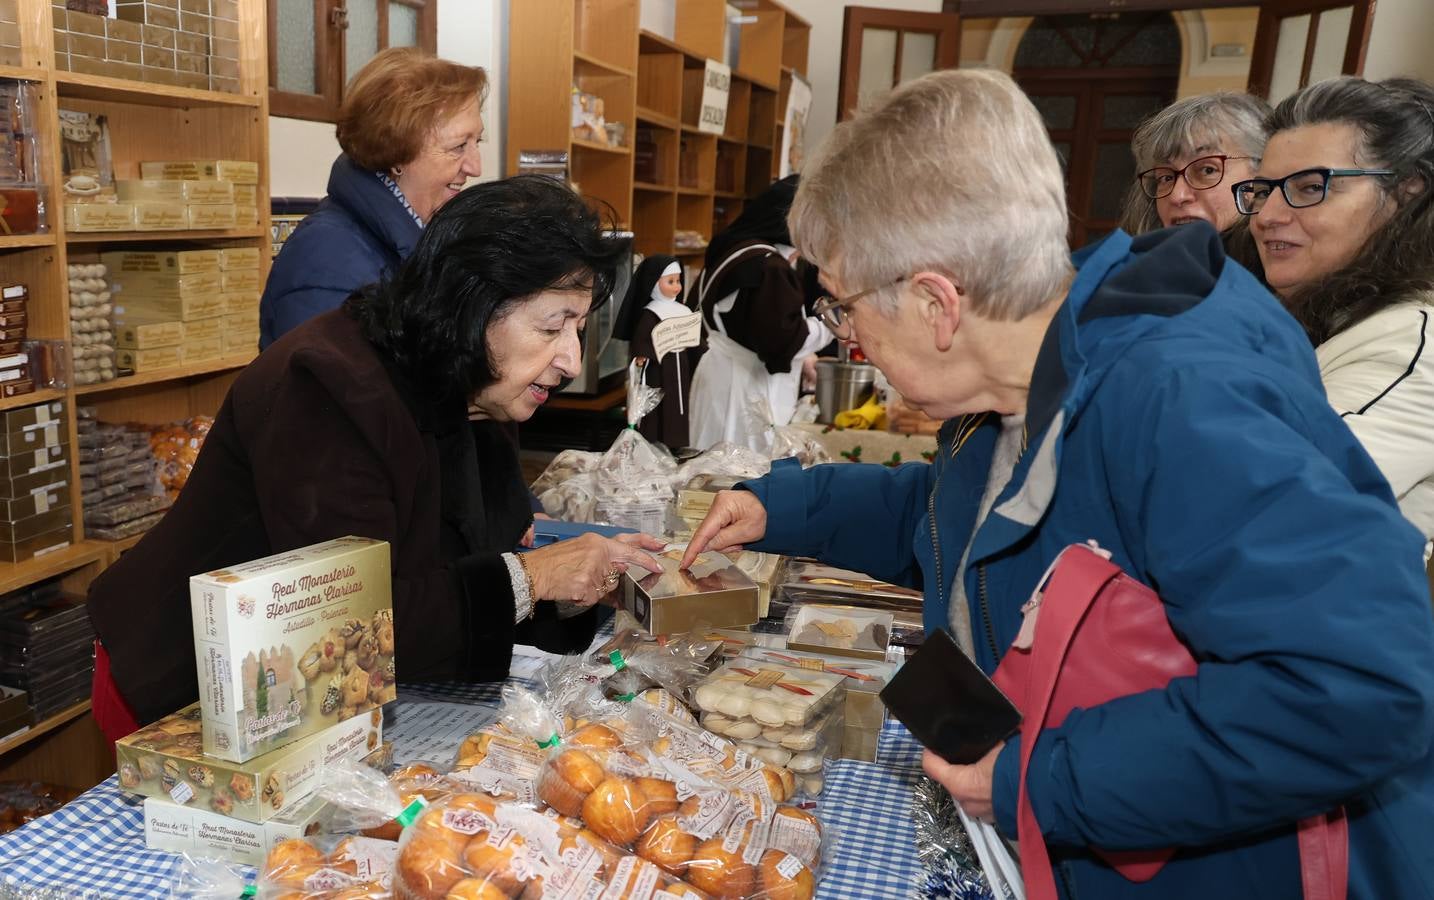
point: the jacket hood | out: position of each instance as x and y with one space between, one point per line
373 205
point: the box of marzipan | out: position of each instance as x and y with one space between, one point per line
291 644
164 760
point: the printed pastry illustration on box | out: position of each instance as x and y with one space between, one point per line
164 760
292 644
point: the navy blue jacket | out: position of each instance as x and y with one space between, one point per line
359 232
1176 416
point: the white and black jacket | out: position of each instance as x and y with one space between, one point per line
1379 376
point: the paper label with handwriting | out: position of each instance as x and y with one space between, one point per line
714 810
677 333
796 836
181 793
467 821
789 867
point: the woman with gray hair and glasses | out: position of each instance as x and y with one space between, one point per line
1151 398
1343 218
1185 152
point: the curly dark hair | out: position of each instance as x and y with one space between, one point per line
487 250
1395 119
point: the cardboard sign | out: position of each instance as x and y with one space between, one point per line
677 333
716 86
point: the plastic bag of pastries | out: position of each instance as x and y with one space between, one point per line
328 867
634 660
363 800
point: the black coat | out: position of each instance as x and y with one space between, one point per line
317 439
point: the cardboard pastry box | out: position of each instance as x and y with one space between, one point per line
714 592
289 645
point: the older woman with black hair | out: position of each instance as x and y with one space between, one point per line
1343 217
382 419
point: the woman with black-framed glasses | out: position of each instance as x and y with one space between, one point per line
1342 212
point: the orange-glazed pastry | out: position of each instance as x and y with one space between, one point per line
781 876
661 795
476 889
775 786
420 779
632 879
666 845
494 861
789 781
567 781
617 811
720 872
291 861
455 829
798 832
599 737
428 866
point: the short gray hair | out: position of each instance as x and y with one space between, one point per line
951 172
1225 121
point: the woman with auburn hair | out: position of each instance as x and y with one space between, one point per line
409 128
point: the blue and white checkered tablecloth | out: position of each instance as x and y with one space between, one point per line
93 848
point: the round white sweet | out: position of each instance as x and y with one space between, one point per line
744 731
796 713
775 735
805 763
799 740
768 712
774 755
735 704
812 785
708 696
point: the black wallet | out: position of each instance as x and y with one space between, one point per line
949 704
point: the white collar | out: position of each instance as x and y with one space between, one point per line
668 309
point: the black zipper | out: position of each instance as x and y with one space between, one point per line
986 614
1066 880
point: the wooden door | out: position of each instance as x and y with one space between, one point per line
882 48
1298 42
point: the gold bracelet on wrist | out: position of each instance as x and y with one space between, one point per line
528 573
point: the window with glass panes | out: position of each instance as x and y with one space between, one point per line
317 46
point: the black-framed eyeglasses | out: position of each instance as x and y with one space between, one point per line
1307 187
832 310
1201 174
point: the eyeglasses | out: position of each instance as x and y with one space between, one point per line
832 310
1307 187
1201 174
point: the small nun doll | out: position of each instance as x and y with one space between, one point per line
659 327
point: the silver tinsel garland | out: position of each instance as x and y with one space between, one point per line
950 869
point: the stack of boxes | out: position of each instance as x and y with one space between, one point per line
185 43
35 516
172 196
241 285
169 309
46 648
295 660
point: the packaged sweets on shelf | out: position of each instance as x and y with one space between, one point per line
843 630
291 644
165 760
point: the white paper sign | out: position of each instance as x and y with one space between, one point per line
794 135
716 86
677 333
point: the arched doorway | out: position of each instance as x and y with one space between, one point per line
1094 78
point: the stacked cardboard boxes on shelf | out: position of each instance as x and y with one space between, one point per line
185 43
170 307
35 516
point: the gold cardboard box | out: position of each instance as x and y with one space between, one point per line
165 760
153 262
160 217
239 257
203 330
233 281
99 216
246 215
185 309
291 616
212 215
714 592
165 285
236 342
150 335
235 170
247 195
204 350
149 360
241 302
242 321
158 190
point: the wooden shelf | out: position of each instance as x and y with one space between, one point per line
19 73
650 42
731 140
601 148
690 251
652 117
113 549
45 727
653 188
123 90
14 576
729 195
17 241
173 373
588 59
32 398
133 237
758 146
694 192
589 403
693 129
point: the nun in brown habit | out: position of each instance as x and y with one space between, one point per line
662 329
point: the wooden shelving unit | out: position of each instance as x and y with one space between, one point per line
147 121
670 175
